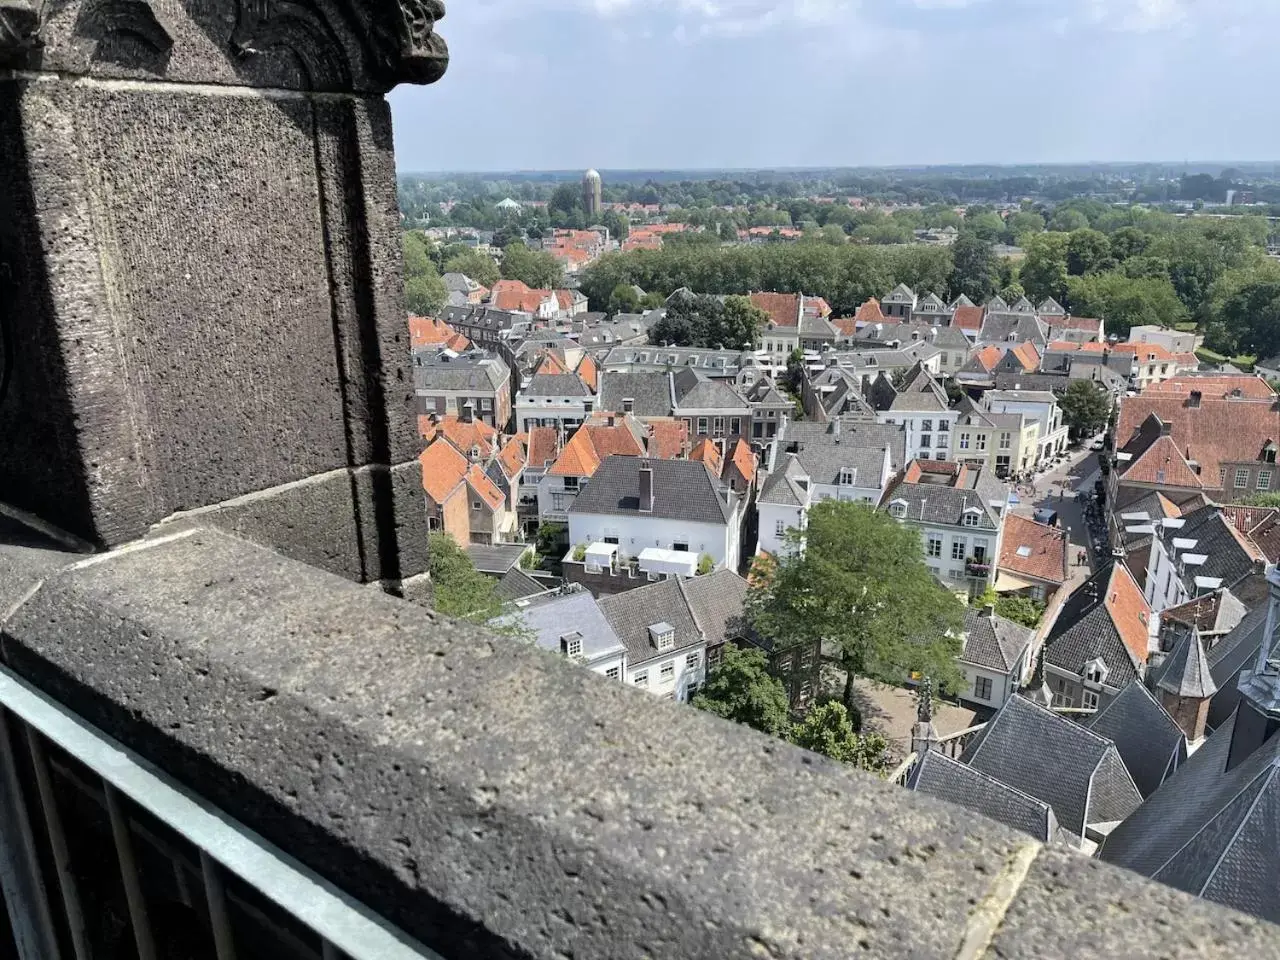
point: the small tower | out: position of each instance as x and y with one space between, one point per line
1258 715
1037 689
592 190
924 735
1186 687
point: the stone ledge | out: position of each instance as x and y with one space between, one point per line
495 801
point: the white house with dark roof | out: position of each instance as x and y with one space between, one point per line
1200 552
572 625
994 659
921 405
959 511
841 460
1040 406
660 515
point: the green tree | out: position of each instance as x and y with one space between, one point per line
974 272
1085 408
624 299
857 579
457 589
1128 242
1261 500
1023 610
827 729
740 688
476 265
619 226
1068 219
984 222
1251 318
1044 271
1124 302
536 268
698 320
1088 251
425 295
1024 223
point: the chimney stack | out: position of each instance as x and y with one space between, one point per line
646 487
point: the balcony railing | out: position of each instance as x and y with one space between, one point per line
977 568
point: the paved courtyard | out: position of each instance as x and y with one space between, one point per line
891 711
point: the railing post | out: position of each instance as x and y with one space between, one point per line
216 897
58 843
129 874
20 880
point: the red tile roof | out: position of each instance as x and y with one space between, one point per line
1129 611
988 357
589 372
783 308
592 443
968 318
443 469
1070 346
1047 560
869 312
464 436
745 460
512 457
1144 352
515 295
483 487
429 332
706 452
1027 355
667 439
543 443
1250 387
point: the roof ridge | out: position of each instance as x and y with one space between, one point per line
929 754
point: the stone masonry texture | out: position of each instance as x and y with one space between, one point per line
203 280
495 801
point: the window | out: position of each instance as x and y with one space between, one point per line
970 519
1222 476
806 659
958 546
667 672
692 660
1242 477
702 424
717 425
926 441
926 424
571 483
940 455
641 679
680 546
982 688
964 441
475 504
1264 479
735 425
846 477
981 440
612 673
934 547
1094 672
944 426
955 574
1089 700
1006 441
613 540
898 510
784 663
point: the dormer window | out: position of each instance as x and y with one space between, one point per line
571 645
662 635
1095 671
898 509
847 477
971 518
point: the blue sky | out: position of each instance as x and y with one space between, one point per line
570 84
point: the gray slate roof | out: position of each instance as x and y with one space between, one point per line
488 318
1186 673
1215 536
431 373
716 600
515 584
1150 743
939 776
824 449
887 331
1013 328
1209 831
784 485
1084 631
650 391
920 394
1075 771
632 612
551 617
555 385
938 504
682 490
1236 651
695 391
496 557
992 641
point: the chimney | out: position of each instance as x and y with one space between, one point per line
1166 428
646 487
989 610
1194 400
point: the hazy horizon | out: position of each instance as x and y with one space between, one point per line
803 84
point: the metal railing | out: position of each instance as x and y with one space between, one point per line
52 763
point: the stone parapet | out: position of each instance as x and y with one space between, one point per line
496 801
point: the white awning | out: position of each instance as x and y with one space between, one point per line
601 554
657 560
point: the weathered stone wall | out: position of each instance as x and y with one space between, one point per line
201 267
496 801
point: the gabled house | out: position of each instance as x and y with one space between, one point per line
555 396
898 303
709 408
1003 443
769 409
1199 552
1150 742
1101 640
428 333
1040 406
1059 762
517 297
461 499
840 460
937 775
665 515
570 623
921 405
1033 559
959 511
580 458
1009 327
542 447
994 658
475 384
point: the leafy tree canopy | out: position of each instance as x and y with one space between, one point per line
1124 302
741 689
827 729
458 589
476 265
698 320
974 272
857 578
536 268
1085 408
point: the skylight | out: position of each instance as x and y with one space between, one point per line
1024 552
